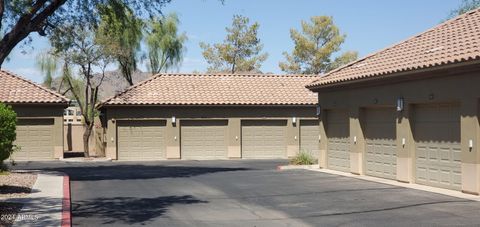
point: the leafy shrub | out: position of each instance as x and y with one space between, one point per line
8 122
303 158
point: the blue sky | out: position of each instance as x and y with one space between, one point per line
370 25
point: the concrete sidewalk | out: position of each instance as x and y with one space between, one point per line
44 206
442 191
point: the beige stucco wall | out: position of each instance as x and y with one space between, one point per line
73 139
234 115
456 85
28 111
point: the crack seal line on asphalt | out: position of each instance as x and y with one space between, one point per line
315 215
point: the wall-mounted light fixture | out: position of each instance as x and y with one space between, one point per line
294 120
174 120
400 104
319 110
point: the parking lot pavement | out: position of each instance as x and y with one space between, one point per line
245 193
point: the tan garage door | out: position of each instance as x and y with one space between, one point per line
437 137
204 139
264 139
141 140
309 137
35 138
380 138
338 140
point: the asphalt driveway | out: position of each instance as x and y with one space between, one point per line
245 193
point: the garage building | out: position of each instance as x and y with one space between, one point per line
218 116
40 117
408 112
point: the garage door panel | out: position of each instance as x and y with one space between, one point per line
380 138
204 139
35 138
264 139
438 153
338 140
309 137
141 140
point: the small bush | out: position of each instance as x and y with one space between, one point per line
303 158
8 123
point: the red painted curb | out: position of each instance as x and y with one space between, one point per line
66 208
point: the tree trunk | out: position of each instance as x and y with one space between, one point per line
86 139
27 23
8 43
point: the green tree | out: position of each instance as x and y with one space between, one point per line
165 45
120 32
20 18
8 122
239 52
83 60
48 66
314 47
464 7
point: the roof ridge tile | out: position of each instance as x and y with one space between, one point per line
62 99
212 89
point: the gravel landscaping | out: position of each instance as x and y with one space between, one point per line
13 185
16 184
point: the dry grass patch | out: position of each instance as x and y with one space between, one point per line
303 158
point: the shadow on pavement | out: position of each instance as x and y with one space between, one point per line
8 189
128 172
129 210
39 211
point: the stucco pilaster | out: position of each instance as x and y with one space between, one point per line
357 141
470 141
234 138
405 145
293 137
111 139
173 139
58 137
322 159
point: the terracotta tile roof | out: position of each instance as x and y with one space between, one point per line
454 41
14 89
218 89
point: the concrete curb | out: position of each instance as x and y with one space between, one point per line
85 160
49 202
441 191
298 167
66 203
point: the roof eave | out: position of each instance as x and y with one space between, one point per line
209 105
66 104
399 76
